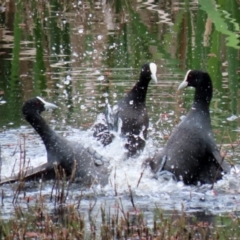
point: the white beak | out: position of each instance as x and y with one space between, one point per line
153 69
184 82
47 105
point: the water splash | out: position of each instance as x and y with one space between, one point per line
127 175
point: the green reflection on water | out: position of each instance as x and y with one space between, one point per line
39 68
193 38
220 21
14 88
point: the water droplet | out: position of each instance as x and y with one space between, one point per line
67 80
59 85
3 102
75 54
89 52
100 78
232 118
105 95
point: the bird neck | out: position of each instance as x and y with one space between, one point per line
202 98
139 91
41 127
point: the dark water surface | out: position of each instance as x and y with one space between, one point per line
78 54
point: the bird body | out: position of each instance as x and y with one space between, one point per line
89 166
191 153
129 116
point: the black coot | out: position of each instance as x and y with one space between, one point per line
191 153
89 166
129 116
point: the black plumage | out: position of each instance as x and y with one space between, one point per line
129 116
89 166
191 153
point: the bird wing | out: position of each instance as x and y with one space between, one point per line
112 118
157 162
30 173
213 149
220 160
